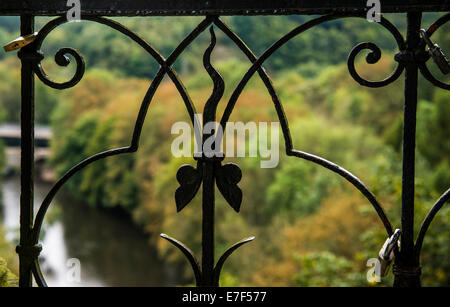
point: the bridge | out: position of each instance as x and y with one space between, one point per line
10 135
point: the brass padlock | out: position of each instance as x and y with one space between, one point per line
386 254
436 53
20 42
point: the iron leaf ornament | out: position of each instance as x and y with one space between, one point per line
227 176
190 180
209 172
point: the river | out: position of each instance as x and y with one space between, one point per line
110 250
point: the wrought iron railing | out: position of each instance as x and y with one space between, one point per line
411 57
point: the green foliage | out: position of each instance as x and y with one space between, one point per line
10 23
9 90
46 101
433 128
8 262
312 228
441 177
231 70
93 184
143 183
45 98
325 269
435 260
297 190
7 279
73 147
326 44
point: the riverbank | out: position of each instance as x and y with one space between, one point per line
110 248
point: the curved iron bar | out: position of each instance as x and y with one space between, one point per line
256 66
355 181
189 255
174 56
49 197
62 60
263 75
426 73
371 58
438 23
285 127
446 196
208 170
290 151
426 223
224 257
283 40
209 112
375 55
142 112
51 25
38 276
165 64
165 68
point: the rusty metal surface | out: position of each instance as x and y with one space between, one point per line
216 7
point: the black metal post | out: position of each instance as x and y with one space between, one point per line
208 224
27 155
406 269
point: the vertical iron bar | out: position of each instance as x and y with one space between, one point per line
407 266
208 224
27 154
209 166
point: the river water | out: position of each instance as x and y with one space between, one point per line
110 250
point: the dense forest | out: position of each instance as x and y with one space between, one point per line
312 228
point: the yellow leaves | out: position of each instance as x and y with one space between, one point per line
93 93
336 226
275 274
378 71
440 275
337 229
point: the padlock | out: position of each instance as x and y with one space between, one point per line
386 254
436 53
20 42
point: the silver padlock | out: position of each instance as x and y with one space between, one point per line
386 254
436 53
